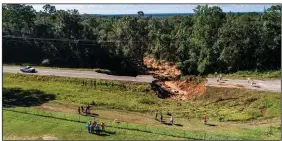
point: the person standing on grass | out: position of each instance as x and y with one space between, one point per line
87 110
205 119
88 126
103 126
93 127
161 118
97 129
171 120
156 116
78 110
82 109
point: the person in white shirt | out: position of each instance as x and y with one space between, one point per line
171 120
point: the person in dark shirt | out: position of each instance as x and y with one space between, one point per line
97 129
156 115
78 110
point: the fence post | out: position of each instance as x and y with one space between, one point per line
79 118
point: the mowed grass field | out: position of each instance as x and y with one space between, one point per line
19 126
231 110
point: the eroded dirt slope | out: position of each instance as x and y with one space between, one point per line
179 89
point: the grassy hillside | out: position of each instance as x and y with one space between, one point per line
56 124
221 103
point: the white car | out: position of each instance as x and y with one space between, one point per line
28 69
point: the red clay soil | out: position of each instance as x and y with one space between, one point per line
180 90
191 89
161 68
183 90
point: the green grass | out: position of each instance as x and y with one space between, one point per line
226 103
50 121
19 125
98 70
223 105
252 74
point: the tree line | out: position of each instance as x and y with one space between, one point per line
207 41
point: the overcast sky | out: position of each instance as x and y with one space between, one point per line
150 8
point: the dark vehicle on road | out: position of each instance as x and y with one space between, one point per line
28 69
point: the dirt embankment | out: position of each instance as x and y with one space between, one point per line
183 90
161 68
175 89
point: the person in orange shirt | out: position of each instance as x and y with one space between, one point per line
205 119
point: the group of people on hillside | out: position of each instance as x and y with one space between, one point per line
172 119
95 127
161 118
81 110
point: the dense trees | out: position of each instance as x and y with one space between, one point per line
207 41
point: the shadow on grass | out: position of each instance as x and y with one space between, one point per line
167 123
178 125
257 86
173 124
24 98
109 132
90 115
211 124
101 134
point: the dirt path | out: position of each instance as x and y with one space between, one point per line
146 119
122 116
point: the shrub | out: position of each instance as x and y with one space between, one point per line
45 62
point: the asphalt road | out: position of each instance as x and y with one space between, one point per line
264 85
82 74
